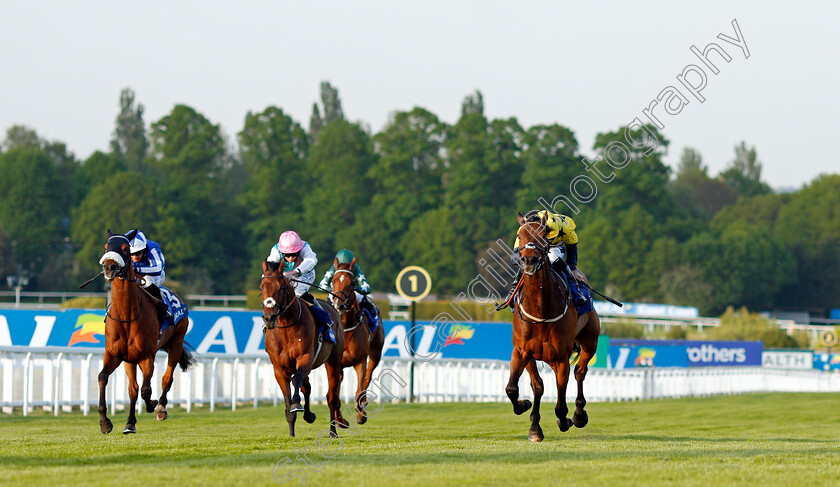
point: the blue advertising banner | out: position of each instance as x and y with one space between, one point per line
631 356
702 353
827 361
241 332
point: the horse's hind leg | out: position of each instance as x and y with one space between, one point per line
308 415
109 364
148 368
536 433
131 372
588 339
165 385
561 371
374 357
517 365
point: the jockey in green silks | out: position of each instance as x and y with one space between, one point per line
362 288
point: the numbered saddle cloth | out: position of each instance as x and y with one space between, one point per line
177 308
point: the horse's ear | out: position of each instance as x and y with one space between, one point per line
130 235
520 218
265 266
110 234
353 264
335 263
542 220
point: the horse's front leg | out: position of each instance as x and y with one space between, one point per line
282 377
361 399
535 434
304 366
518 360
109 364
131 372
308 415
561 371
334 375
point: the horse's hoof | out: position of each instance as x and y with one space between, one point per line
342 423
161 414
564 424
581 419
129 428
296 407
150 406
524 405
535 435
361 418
309 417
106 427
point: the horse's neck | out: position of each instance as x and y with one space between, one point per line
542 291
125 298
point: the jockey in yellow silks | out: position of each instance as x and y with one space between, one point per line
562 251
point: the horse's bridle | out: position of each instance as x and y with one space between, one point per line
541 260
123 269
542 251
270 302
342 305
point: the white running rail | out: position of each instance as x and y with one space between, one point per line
60 379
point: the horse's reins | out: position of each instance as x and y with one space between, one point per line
291 302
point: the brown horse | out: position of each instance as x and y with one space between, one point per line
359 343
291 341
131 336
545 327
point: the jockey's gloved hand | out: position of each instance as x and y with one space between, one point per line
146 282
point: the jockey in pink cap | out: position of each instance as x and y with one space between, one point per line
299 262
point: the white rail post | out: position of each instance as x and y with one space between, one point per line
84 384
213 384
57 368
255 378
234 384
27 383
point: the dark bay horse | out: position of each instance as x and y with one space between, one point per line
131 336
546 327
362 350
291 341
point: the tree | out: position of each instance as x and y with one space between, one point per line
407 175
744 174
550 162
117 203
21 136
189 154
331 104
694 191
31 210
129 137
340 188
273 148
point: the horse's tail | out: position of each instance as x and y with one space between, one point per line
573 360
187 359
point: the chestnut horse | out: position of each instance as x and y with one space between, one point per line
546 327
362 349
131 336
291 341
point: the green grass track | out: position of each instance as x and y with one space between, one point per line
761 439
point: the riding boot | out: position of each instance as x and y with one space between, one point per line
321 317
574 286
162 308
373 310
511 291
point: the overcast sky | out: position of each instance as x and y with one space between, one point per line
591 67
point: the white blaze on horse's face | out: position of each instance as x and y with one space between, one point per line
269 302
341 278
